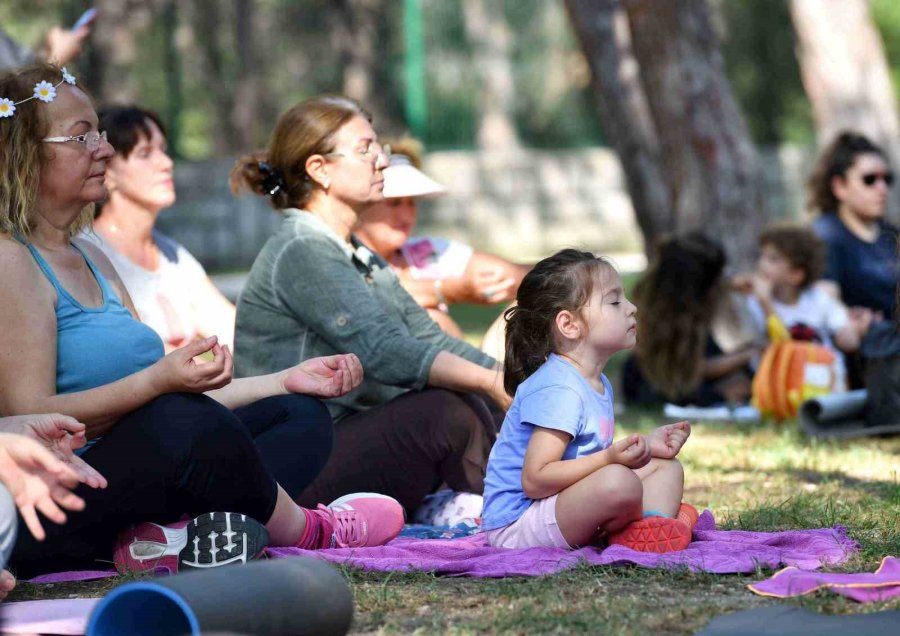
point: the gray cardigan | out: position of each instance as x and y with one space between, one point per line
312 294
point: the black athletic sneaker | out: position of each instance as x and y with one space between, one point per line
208 541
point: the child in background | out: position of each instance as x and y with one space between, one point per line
555 478
791 259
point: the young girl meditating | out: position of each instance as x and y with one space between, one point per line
555 478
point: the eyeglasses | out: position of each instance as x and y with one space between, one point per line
870 178
370 153
91 140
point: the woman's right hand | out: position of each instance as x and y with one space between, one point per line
632 451
179 371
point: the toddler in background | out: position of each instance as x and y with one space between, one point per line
555 477
791 260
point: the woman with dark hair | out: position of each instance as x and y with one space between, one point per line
170 289
849 191
419 419
695 343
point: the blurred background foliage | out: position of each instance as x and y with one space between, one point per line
187 60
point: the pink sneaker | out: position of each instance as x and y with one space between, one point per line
362 519
208 541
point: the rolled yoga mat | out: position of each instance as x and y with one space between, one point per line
296 596
842 415
835 415
782 620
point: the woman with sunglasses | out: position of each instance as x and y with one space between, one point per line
172 434
849 189
419 419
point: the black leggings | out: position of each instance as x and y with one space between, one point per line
410 446
184 453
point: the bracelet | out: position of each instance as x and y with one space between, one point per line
439 294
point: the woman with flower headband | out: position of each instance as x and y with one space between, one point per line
172 435
418 420
170 289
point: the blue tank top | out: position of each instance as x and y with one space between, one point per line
97 345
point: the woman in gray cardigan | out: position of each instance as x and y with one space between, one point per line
419 419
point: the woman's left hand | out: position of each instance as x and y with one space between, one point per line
491 285
37 481
326 377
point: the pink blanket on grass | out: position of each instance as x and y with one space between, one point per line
59 616
864 587
712 550
716 551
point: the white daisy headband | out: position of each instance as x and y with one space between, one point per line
43 91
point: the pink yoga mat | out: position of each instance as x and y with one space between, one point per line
61 616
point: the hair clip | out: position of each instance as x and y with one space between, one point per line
43 91
273 179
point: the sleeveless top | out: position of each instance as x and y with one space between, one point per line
97 345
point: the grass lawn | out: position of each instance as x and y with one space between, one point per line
758 477
754 477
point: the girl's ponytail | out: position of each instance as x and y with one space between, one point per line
527 347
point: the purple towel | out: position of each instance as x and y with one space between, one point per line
712 550
864 587
717 551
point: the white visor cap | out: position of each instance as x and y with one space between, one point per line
402 179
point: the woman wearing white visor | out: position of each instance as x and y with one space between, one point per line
437 272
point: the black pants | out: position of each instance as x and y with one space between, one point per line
410 446
184 453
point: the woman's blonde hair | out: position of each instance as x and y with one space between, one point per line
23 155
306 129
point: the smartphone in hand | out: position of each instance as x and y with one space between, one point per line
86 18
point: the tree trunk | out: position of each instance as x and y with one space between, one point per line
112 55
248 96
710 164
172 67
602 28
491 42
357 28
207 21
845 73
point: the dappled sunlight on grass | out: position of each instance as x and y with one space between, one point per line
759 477
771 477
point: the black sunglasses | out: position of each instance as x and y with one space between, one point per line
870 178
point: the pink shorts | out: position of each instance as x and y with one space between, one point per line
536 528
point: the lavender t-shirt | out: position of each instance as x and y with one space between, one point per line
558 397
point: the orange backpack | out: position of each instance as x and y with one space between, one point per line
791 372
